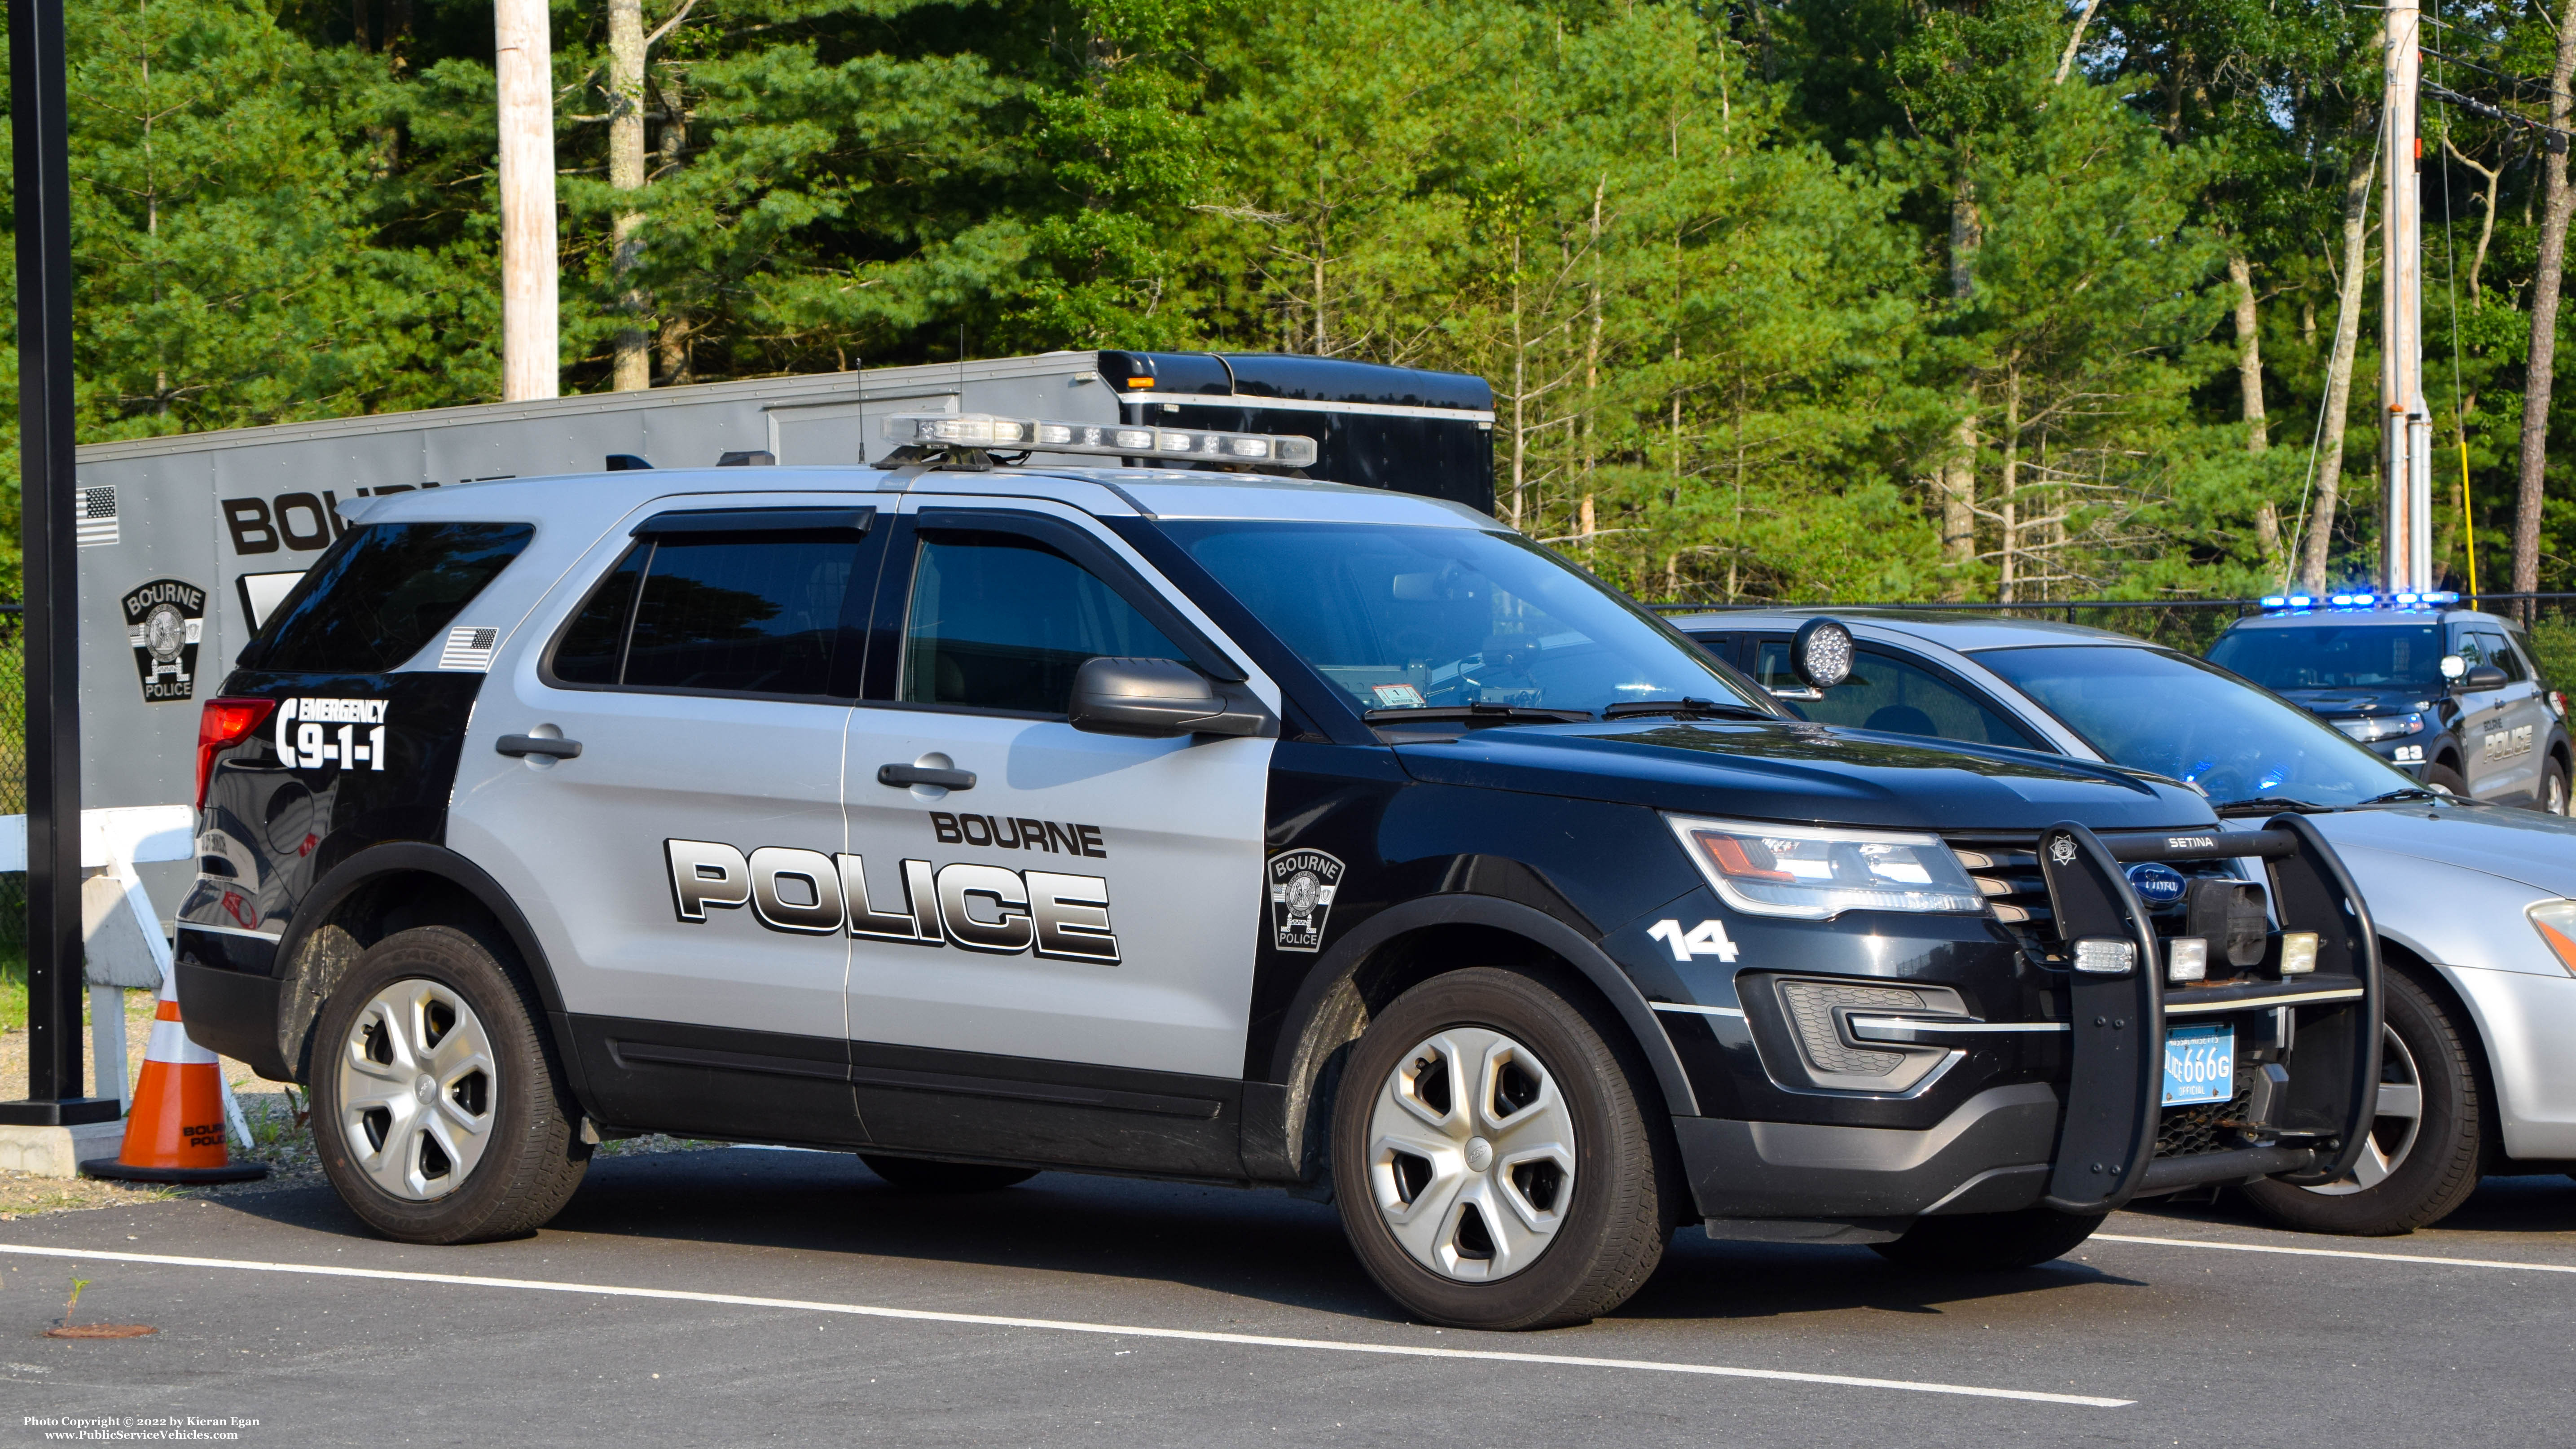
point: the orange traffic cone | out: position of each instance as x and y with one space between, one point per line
176 1131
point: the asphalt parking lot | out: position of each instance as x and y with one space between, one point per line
759 1297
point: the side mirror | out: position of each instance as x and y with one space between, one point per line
2481 676
1161 698
1821 653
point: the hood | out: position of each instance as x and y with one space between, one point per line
1805 773
2344 703
2518 845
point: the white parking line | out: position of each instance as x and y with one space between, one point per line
983 1320
2332 1253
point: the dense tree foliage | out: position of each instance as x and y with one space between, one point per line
1794 299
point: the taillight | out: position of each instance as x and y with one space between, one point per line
224 724
2558 704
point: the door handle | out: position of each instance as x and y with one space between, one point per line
923 775
523 745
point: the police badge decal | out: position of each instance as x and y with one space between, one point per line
165 620
1302 883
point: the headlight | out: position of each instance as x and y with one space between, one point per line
1798 870
2556 923
2386 728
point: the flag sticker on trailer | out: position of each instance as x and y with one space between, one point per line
165 621
469 648
94 516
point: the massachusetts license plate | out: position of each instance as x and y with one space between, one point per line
2200 1064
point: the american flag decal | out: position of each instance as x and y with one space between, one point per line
469 648
94 516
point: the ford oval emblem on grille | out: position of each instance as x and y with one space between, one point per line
2156 883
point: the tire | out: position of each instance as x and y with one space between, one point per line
2446 777
2419 1167
1989 1242
920 1174
499 1154
1544 1213
2553 788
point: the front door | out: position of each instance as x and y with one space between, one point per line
2503 731
679 869
1085 910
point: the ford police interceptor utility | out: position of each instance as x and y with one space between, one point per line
1239 829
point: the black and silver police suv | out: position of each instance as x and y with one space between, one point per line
985 820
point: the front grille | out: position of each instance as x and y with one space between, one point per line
1811 1007
2007 872
2209 1127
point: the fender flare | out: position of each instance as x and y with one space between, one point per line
419 858
1343 960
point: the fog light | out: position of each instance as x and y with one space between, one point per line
2298 952
2187 959
2103 957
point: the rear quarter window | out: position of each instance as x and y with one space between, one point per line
380 593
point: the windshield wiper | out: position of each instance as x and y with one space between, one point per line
2418 792
2269 805
1480 713
1684 708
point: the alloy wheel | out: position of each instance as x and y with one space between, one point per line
417 1090
1471 1156
2399 1120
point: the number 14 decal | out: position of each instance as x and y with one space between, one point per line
1708 938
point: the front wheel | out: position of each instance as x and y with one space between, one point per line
2425 1140
2445 777
1989 1242
1493 1164
438 1117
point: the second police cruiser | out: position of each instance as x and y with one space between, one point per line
1232 828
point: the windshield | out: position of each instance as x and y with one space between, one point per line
2351 656
2153 710
1413 617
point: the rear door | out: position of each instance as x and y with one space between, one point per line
678 869
1081 919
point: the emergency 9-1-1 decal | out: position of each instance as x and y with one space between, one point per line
973 907
1302 886
349 733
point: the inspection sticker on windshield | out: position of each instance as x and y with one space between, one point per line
2200 1065
1397 696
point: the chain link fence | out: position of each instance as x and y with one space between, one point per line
13 770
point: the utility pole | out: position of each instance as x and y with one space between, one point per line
41 150
523 70
2406 446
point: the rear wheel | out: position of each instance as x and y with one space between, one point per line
440 1118
1493 1164
2553 787
2423 1156
921 1174
1989 1242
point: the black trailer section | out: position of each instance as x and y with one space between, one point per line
187 542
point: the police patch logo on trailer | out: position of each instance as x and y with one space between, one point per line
1302 884
165 620
2157 883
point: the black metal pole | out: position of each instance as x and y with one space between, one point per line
39 124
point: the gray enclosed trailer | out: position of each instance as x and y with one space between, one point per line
187 542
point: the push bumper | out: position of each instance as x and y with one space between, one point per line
2090 1143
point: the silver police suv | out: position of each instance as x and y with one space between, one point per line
990 819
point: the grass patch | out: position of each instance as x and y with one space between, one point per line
13 988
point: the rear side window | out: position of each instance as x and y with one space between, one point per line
722 613
380 593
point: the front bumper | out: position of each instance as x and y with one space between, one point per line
2101 1135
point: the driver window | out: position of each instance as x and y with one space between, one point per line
1002 622
2493 650
1889 694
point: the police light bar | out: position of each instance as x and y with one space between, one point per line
1120 440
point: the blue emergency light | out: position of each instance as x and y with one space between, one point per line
2360 601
